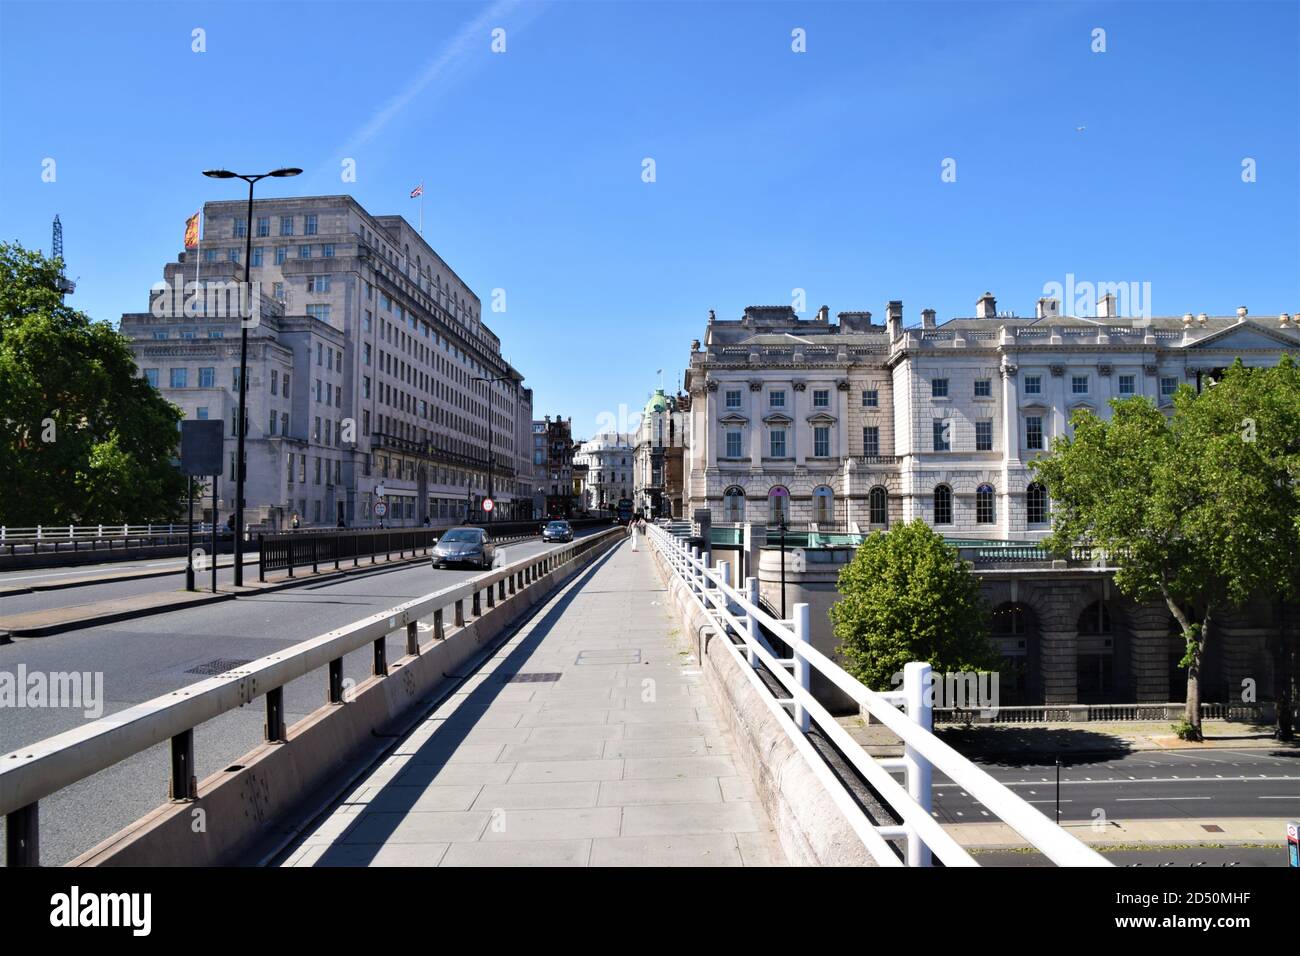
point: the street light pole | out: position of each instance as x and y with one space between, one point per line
490 380
241 424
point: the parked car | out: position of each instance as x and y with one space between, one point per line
557 531
470 546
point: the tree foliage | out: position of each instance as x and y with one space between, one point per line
905 597
82 437
1199 508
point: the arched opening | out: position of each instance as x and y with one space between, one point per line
943 505
823 506
1014 630
778 506
878 507
985 511
1036 509
733 504
1095 654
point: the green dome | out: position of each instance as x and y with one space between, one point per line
657 403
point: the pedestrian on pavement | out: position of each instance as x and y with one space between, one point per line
295 521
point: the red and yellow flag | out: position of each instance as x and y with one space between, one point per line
192 231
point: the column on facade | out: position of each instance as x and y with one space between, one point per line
799 412
842 452
1011 465
1058 402
754 413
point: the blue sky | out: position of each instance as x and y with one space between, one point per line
775 170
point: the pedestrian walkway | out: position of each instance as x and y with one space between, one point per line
588 740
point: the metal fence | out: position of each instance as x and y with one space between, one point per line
752 637
1103 713
36 771
57 539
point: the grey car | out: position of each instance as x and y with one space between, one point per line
470 546
557 531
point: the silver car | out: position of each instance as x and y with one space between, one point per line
470 546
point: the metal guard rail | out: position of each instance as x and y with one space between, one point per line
740 613
36 771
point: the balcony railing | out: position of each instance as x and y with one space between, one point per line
426 449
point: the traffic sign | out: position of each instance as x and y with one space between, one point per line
488 504
381 509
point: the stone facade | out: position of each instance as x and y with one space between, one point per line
816 419
406 411
608 459
662 437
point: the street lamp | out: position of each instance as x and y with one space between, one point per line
490 379
243 353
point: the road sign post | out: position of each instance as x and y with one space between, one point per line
1293 843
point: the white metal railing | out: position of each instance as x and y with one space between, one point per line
35 771
90 532
739 612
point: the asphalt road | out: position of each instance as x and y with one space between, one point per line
1154 858
1144 785
107 590
151 656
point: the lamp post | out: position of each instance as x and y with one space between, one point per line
491 380
241 426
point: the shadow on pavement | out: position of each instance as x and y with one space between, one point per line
1024 746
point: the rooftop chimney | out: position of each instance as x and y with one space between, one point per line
927 318
986 307
1048 308
1106 306
824 314
894 318
1241 313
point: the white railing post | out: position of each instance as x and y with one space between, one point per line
917 684
70 534
751 622
697 586
802 669
38 532
724 585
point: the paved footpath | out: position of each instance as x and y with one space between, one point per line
604 750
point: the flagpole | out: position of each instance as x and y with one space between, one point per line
421 208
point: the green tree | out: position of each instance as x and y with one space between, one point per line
1196 508
82 437
904 597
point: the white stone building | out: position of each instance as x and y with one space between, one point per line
858 425
608 458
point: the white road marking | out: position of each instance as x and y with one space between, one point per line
1147 799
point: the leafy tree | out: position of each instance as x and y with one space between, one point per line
1197 508
82 437
904 597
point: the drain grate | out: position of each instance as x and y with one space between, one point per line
537 677
218 666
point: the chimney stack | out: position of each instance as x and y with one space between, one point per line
927 318
1106 308
894 318
1048 308
824 314
986 307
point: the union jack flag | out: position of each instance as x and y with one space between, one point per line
417 191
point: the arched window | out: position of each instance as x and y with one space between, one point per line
878 506
943 505
733 504
984 508
1036 504
823 505
778 506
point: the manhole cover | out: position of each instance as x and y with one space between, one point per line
533 678
1211 828
617 655
219 666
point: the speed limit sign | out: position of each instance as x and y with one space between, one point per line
488 504
381 509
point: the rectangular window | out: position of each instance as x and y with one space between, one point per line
871 398
277 290
365 386
777 398
275 380
983 388
777 439
201 413
733 444
984 436
733 398
270 428
316 478
291 467
821 398
366 322
284 423
938 388
234 378
232 255
257 255
207 377
160 336
319 312
1034 432
286 225
281 253
365 354
209 255
1033 385
1078 384
263 226
1127 384
286 384
309 224
871 440
940 432
304 252
241 227
1168 385
151 376
216 334
821 441
318 283
327 250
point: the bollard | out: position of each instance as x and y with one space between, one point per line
917 683
802 669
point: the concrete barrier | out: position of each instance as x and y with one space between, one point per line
812 830
259 800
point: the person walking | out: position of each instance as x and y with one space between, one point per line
636 529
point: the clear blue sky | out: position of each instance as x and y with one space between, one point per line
775 170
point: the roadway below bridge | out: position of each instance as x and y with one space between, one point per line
144 658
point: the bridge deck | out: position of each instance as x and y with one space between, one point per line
609 753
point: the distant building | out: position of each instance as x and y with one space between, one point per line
659 452
553 438
609 462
